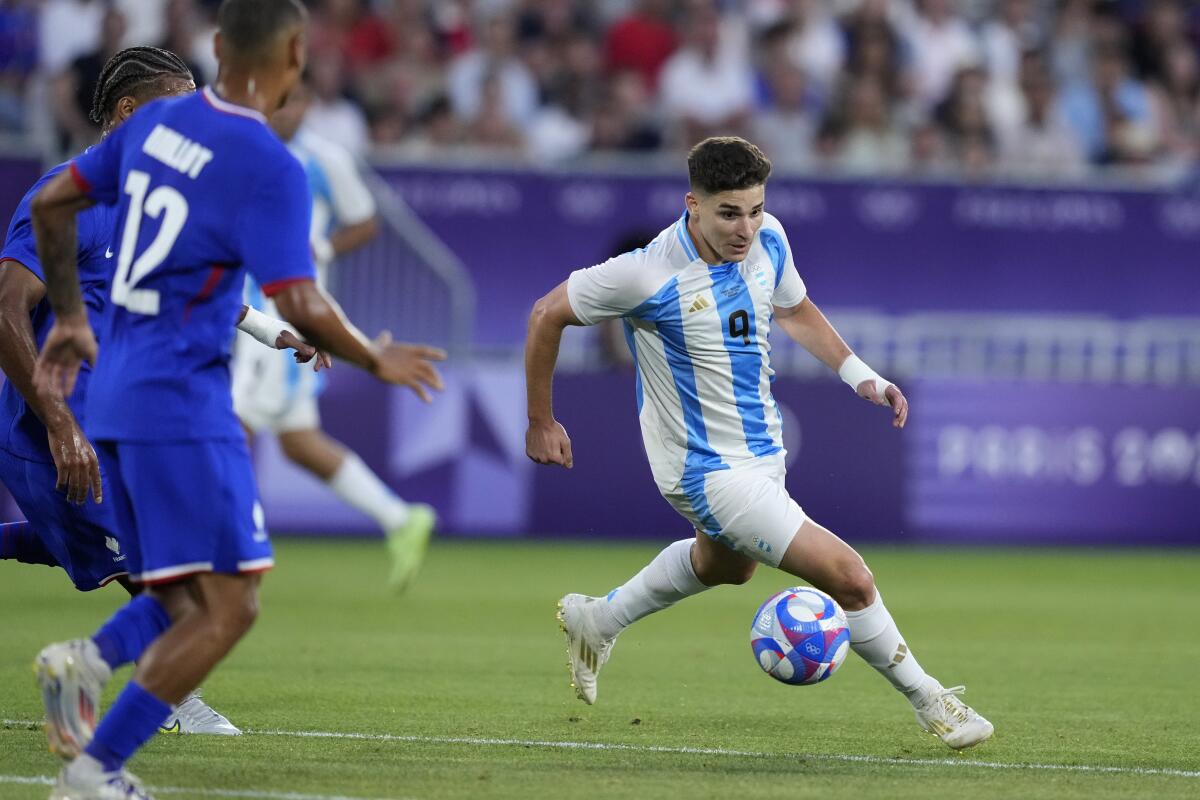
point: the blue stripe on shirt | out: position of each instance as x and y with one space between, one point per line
772 242
733 296
637 368
701 458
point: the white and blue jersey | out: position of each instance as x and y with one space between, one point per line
699 335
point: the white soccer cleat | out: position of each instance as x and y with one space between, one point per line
587 651
950 719
85 779
71 675
193 715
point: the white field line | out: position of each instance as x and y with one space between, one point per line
478 741
250 794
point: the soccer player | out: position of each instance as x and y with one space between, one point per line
205 192
46 461
271 394
697 304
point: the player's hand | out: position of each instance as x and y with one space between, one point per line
548 443
305 352
408 365
78 467
69 343
893 397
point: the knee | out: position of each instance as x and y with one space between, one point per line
856 587
231 619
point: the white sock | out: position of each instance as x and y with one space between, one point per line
874 636
359 487
663 582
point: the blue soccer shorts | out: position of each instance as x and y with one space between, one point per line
186 507
84 539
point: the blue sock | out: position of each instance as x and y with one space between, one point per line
18 542
128 725
130 631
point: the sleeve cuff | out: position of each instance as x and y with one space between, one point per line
275 287
84 185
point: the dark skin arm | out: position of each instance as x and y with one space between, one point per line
302 304
70 341
321 321
78 468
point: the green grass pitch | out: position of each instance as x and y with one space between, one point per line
1080 658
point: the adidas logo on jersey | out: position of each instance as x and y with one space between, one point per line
699 304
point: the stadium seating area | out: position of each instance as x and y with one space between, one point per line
1046 88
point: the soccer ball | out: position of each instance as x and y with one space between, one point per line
800 636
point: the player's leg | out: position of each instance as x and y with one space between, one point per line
216 611
822 559
407 526
682 569
21 541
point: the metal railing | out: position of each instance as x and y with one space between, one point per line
1066 348
406 280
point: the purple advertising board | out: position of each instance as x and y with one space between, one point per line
978 462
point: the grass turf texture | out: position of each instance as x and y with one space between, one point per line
1083 658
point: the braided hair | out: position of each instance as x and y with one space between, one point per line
131 72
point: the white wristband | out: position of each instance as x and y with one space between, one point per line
262 327
854 371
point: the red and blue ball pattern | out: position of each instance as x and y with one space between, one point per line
800 636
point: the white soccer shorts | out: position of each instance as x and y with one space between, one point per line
271 392
746 508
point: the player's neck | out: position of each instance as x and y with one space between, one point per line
710 256
247 90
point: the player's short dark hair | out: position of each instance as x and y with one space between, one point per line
726 163
134 72
250 26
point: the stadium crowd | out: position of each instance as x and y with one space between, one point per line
1046 88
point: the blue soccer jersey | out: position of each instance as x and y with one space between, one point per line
205 192
21 432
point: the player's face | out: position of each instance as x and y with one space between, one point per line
728 221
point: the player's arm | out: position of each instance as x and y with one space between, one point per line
282 264
809 328
274 333
320 320
352 237
70 341
353 206
546 441
78 468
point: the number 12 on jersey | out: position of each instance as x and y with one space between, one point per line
163 202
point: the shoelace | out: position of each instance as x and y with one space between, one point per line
948 700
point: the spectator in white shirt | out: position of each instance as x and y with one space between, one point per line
707 86
331 115
941 44
494 60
